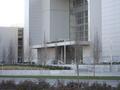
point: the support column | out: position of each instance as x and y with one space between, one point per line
61 57
64 53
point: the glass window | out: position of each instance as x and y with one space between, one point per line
79 14
86 27
86 13
86 19
80 19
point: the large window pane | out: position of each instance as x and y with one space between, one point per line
79 19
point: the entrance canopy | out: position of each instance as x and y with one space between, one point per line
61 43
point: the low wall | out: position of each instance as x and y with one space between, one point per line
84 70
98 68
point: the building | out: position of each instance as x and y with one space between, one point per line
111 30
55 27
11 45
66 30
20 46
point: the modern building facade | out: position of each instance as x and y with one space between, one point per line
56 27
11 46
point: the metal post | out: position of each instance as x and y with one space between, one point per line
110 55
45 49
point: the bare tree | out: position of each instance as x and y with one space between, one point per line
45 50
96 49
11 54
96 52
4 57
42 57
30 55
78 57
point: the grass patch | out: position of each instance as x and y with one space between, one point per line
19 67
63 77
32 67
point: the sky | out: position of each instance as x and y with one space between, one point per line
12 13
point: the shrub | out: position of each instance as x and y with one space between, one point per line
7 85
118 87
43 85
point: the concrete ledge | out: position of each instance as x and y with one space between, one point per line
62 77
56 73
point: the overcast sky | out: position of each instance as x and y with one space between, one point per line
11 12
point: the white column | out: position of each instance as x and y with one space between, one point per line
61 54
64 52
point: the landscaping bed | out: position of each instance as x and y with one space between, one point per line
33 67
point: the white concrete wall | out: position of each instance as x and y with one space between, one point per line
59 20
111 29
8 35
49 19
39 20
94 9
94 26
37 24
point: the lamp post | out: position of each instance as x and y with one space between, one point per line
110 55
